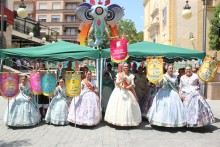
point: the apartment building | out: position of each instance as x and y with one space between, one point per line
164 23
59 16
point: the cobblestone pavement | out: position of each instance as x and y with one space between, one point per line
105 135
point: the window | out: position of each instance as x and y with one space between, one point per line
56 30
42 18
164 16
71 18
70 31
71 6
42 6
42 31
56 5
55 18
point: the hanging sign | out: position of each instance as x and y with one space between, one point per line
208 69
35 82
9 84
73 83
48 83
154 69
119 50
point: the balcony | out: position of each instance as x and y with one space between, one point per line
65 11
65 23
154 23
68 37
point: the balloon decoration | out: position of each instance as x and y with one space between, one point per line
73 84
48 83
208 69
35 82
9 84
154 69
118 50
96 18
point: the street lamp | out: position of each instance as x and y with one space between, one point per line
22 12
191 37
187 13
31 34
43 39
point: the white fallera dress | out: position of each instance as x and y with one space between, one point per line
123 108
87 107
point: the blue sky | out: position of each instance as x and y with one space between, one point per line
134 10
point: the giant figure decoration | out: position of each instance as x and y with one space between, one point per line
97 18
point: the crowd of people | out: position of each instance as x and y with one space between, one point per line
127 97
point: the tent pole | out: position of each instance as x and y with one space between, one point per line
101 78
1 64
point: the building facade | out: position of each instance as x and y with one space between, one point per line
164 23
60 18
8 23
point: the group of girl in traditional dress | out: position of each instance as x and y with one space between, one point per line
164 104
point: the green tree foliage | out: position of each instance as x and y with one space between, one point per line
127 28
214 34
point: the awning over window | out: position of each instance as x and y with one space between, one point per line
9 14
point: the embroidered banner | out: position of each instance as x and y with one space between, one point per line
154 69
119 50
48 83
35 82
208 69
9 84
73 83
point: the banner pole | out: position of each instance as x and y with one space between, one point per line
75 110
8 113
38 108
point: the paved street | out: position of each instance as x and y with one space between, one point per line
104 135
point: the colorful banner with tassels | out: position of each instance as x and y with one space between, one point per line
208 69
48 83
73 83
9 84
35 82
154 69
118 50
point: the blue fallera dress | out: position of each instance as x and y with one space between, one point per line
58 109
21 112
167 109
198 112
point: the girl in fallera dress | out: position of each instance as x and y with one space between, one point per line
167 109
123 108
23 111
147 101
87 104
141 84
58 109
108 86
198 112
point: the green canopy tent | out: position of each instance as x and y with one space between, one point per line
141 50
59 51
